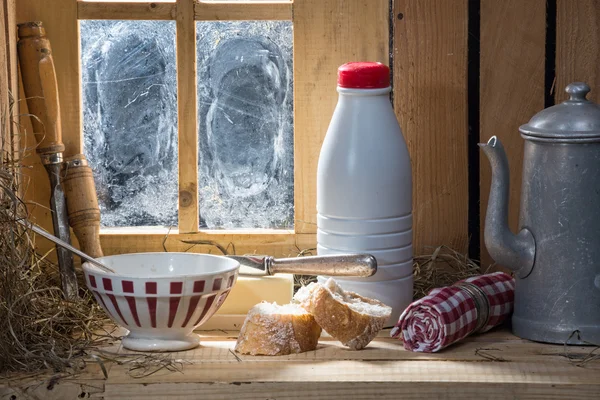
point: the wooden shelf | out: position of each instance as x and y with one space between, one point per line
496 365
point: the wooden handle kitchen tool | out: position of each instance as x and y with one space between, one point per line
41 91
40 87
82 204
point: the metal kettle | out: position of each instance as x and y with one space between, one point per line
556 253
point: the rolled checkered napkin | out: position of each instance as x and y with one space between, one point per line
447 315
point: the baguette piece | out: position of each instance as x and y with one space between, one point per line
273 330
348 317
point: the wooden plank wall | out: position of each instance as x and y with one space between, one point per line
60 21
512 60
326 37
8 73
578 46
187 114
526 61
430 99
431 93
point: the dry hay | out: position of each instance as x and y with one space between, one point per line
38 329
443 267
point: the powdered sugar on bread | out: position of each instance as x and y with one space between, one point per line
348 317
271 329
358 304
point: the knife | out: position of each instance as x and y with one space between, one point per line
360 265
40 88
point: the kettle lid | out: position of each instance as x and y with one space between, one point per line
576 119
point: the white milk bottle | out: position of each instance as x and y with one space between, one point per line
364 186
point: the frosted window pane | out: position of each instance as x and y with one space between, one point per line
245 124
130 119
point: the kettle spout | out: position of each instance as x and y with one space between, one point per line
516 252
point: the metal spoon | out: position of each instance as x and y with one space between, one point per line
67 246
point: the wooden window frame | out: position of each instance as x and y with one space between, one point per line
326 33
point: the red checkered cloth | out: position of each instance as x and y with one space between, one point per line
447 315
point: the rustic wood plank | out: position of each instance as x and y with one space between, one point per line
409 371
277 244
513 36
216 346
430 100
13 78
60 390
243 10
187 114
5 63
88 383
351 390
60 21
578 46
321 390
124 11
8 72
510 366
327 34
220 349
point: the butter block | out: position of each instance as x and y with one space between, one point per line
250 290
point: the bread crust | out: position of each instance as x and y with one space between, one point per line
353 328
278 333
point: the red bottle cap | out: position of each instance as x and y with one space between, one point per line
364 75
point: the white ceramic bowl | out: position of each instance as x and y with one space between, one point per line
161 297
397 293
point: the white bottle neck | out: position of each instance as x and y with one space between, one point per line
363 92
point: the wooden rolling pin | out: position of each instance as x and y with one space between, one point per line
82 204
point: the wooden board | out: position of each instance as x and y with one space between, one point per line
9 90
327 34
187 116
60 22
352 390
244 10
279 244
496 365
430 100
203 11
578 46
120 10
513 36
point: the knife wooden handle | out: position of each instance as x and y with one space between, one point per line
82 204
40 87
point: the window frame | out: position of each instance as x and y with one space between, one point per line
326 33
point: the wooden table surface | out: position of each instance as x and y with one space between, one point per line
496 365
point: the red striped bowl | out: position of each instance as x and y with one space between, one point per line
161 297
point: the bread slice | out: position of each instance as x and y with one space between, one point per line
348 317
273 330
